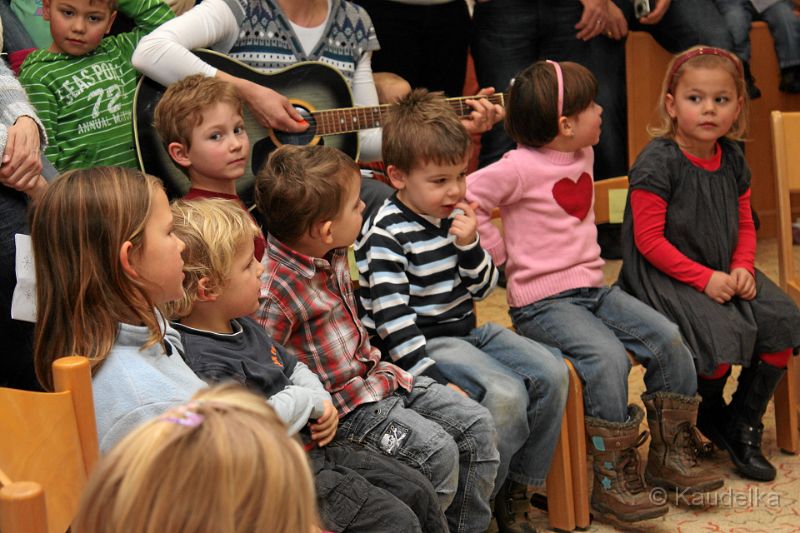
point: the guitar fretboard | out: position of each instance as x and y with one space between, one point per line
352 119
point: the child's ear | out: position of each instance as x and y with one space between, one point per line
125 259
396 176
669 105
46 10
325 231
111 20
565 126
179 153
204 294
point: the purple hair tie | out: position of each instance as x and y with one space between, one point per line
184 415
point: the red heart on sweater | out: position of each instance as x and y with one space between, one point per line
574 197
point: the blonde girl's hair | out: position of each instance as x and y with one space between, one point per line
532 111
82 292
222 462
214 231
701 57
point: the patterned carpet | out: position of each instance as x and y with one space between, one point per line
741 505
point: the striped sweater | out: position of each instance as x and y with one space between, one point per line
417 284
85 102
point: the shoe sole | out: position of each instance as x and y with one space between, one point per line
695 489
655 513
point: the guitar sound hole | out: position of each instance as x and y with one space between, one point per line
301 138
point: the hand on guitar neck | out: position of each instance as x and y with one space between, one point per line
485 112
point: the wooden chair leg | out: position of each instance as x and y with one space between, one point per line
577 449
560 506
786 409
22 508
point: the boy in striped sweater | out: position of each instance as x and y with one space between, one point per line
422 266
82 85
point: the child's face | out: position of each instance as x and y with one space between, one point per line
430 188
77 26
220 147
239 296
586 126
704 106
347 224
159 261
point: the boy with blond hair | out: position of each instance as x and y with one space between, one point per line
310 198
222 343
82 86
200 121
422 267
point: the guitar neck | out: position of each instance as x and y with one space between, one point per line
352 119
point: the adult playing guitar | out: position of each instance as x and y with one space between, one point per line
272 34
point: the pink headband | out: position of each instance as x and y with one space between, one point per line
681 59
560 79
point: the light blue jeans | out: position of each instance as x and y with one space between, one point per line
594 327
523 385
783 25
449 438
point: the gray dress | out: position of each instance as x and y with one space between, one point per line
702 222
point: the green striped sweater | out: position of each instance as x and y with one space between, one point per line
86 102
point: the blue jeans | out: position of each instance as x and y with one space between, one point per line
509 35
783 25
449 438
594 327
523 385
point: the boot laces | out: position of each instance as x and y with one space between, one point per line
631 467
691 445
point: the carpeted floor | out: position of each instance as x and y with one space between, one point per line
741 505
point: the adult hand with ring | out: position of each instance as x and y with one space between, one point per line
593 19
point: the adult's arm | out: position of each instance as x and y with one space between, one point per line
165 56
22 135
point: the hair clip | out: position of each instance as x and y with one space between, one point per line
184 415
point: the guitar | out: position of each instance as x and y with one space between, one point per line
319 93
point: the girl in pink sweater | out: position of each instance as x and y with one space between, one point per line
545 192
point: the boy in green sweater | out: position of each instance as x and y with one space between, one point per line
82 86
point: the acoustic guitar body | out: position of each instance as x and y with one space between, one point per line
310 86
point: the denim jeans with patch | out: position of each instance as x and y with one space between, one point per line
449 438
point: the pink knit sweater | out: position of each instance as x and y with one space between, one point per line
546 201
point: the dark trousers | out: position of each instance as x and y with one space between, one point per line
362 490
426 45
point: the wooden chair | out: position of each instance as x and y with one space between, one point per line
47 450
786 143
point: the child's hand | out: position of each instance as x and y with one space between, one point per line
325 429
465 225
745 283
721 287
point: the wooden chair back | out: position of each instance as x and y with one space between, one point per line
47 450
786 143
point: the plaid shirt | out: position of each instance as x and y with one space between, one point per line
307 305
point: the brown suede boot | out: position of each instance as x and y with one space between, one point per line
619 489
675 445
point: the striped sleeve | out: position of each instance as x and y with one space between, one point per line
477 270
385 297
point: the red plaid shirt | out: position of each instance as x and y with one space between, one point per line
307 305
